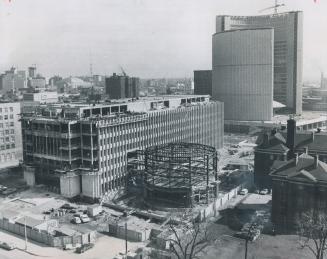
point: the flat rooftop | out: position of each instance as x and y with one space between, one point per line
307 117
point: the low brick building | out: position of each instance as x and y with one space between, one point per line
299 185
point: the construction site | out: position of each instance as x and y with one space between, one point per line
163 182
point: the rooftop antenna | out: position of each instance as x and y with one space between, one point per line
275 7
91 65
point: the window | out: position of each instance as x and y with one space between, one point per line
12 138
6 117
8 146
11 124
11 116
6 132
13 145
7 139
1 125
2 147
0 109
11 109
6 109
12 131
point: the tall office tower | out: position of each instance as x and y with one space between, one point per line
12 80
118 87
83 149
242 65
32 71
288 37
11 151
203 82
323 82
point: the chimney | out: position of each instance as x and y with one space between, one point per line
265 141
290 140
316 160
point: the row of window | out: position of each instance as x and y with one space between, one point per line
7 146
7 157
7 139
11 109
7 124
11 116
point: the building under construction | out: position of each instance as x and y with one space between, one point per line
83 149
176 174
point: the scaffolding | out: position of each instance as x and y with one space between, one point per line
180 174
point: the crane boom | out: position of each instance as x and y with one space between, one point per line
275 7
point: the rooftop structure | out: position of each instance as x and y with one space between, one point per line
82 149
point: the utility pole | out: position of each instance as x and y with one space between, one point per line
126 239
25 233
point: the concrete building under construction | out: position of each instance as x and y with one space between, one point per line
82 149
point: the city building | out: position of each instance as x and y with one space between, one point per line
82 149
32 71
71 84
242 73
12 80
10 135
288 37
323 82
281 145
203 82
122 86
40 97
299 186
37 82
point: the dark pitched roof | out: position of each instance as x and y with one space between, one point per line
316 142
305 169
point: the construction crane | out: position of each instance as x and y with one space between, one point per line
123 71
275 7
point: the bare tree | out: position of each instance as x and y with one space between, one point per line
313 233
189 238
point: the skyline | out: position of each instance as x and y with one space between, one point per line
149 39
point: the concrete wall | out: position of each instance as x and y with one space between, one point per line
29 175
70 185
91 186
242 76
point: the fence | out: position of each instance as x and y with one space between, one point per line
44 237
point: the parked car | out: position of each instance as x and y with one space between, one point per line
76 220
7 246
264 192
84 248
84 218
243 191
67 206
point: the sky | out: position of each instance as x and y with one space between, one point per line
148 38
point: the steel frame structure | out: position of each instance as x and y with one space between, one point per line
174 172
